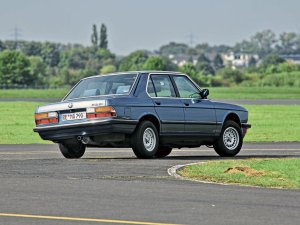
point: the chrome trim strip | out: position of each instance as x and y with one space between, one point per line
201 122
93 122
190 122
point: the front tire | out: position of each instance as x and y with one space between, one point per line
145 140
230 141
74 150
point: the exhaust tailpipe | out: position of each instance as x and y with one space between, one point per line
85 140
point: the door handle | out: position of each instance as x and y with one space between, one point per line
157 102
186 104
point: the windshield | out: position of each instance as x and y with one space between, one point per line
103 85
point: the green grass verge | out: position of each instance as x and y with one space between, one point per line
17 122
33 93
269 123
215 93
273 123
278 173
254 93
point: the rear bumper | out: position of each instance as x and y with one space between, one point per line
245 127
91 128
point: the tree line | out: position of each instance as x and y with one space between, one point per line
51 64
262 43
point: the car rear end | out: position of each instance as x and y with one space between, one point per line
89 110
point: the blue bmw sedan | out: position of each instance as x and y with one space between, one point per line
150 111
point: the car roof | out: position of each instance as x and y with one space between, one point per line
137 72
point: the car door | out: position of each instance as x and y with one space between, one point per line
168 106
199 114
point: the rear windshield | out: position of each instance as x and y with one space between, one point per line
103 85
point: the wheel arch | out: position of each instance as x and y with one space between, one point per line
152 118
233 117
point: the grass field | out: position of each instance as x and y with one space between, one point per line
254 93
273 123
269 123
33 93
279 173
17 122
215 93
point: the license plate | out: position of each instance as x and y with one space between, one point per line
74 116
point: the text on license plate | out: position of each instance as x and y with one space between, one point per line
74 116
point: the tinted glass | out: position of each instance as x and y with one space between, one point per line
163 86
103 85
185 87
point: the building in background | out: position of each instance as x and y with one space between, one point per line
238 60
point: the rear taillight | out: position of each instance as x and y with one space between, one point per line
100 112
45 118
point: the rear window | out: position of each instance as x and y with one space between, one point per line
103 85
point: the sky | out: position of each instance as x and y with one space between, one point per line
146 24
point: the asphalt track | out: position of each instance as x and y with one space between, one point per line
111 186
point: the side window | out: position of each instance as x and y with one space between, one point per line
163 86
185 87
150 88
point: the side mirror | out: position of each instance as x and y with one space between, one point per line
204 93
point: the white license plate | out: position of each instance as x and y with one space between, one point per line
74 116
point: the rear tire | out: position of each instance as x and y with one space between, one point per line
163 152
145 140
74 150
230 141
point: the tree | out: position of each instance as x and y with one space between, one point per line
252 62
203 59
134 61
189 69
94 36
272 60
202 48
37 70
288 41
203 65
245 47
155 63
103 37
14 68
32 48
235 76
173 49
218 62
108 69
50 53
76 58
264 42
2 47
